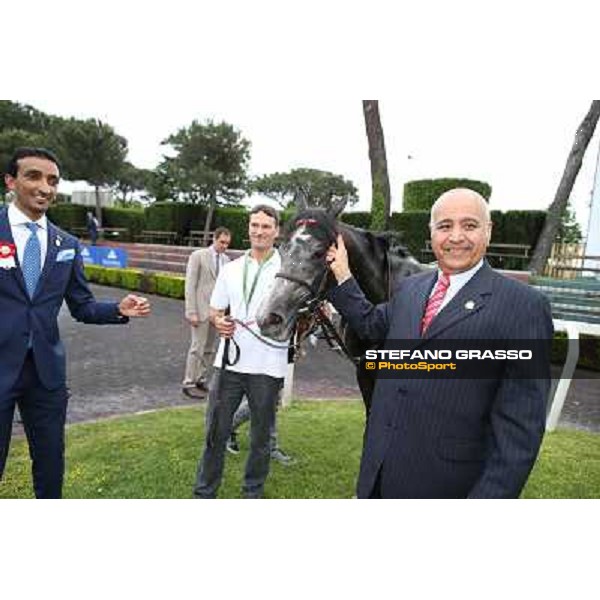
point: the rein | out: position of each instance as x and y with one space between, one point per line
230 363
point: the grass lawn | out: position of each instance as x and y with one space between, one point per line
155 456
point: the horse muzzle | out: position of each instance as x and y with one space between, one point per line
274 326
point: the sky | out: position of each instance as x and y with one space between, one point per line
492 91
519 147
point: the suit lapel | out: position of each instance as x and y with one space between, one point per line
6 234
470 299
419 296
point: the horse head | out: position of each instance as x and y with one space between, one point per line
305 278
304 273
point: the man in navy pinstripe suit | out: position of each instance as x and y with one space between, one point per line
450 437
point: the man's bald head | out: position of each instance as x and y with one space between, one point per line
463 195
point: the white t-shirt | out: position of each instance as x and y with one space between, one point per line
255 356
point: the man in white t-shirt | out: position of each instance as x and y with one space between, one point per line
259 369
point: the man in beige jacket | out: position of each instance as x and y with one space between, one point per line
201 274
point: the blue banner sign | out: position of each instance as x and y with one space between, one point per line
104 256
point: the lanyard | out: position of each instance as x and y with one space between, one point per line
248 297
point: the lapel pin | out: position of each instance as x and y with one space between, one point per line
58 241
470 305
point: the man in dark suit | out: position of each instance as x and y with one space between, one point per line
450 437
40 266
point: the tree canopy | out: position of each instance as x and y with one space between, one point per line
89 150
320 188
130 179
20 125
210 165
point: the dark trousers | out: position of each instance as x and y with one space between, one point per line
43 413
226 392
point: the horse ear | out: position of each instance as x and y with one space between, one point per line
300 200
337 207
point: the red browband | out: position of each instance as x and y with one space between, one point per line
306 222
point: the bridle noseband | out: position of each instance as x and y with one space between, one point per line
317 292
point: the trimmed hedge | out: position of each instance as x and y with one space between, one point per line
414 229
522 226
357 219
175 216
67 216
422 193
589 350
171 286
236 220
183 218
132 219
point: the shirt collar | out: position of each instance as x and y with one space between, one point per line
17 217
460 278
249 256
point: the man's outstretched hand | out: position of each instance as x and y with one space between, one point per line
134 306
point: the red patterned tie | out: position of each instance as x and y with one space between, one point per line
435 301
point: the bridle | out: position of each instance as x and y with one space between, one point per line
314 304
317 288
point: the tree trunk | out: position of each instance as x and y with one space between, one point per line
379 171
583 136
209 216
98 206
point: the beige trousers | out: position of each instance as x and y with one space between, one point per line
201 354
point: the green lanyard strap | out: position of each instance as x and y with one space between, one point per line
248 298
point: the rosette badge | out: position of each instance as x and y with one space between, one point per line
7 250
7 255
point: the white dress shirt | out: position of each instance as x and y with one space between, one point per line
17 221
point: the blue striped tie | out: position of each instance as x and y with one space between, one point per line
32 259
